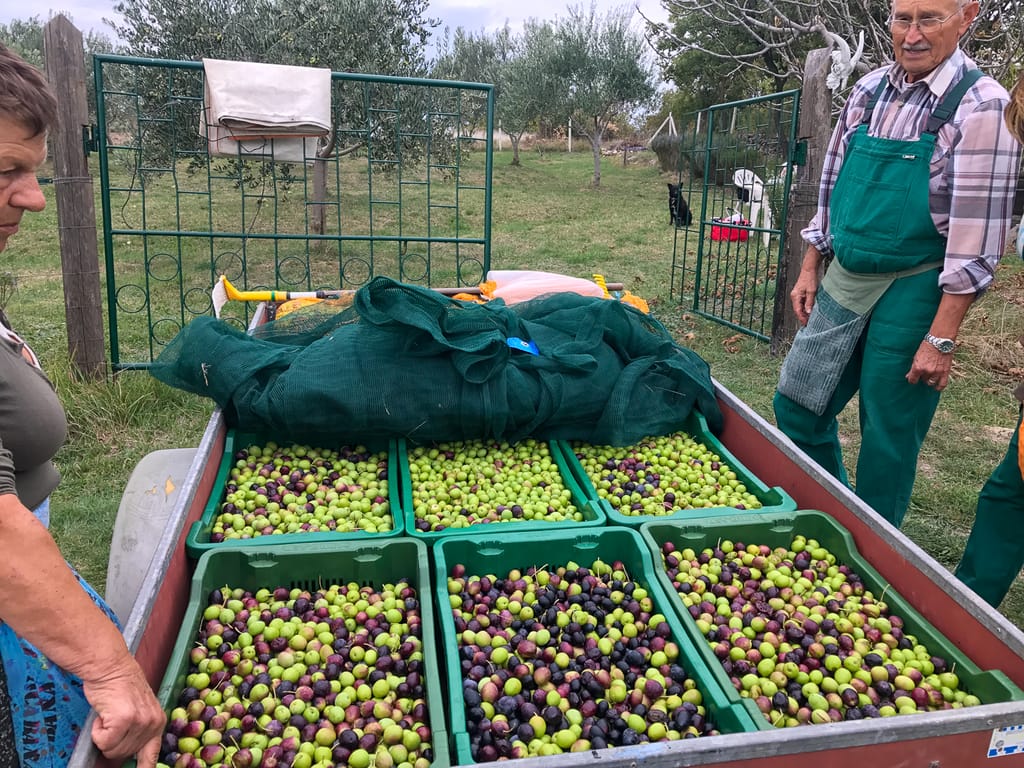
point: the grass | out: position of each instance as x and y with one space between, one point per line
546 217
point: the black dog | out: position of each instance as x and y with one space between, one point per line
678 210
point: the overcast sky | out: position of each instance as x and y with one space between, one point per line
472 15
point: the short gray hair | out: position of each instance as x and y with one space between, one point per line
960 4
25 95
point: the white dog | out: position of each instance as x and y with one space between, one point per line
750 189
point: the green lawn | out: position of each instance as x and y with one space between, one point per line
547 217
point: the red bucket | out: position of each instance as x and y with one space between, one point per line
721 231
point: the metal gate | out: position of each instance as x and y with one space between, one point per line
405 191
736 165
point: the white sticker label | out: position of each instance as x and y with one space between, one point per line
1007 741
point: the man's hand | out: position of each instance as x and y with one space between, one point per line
930 367
803 294
129 719
806 287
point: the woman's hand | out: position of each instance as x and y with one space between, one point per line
129 720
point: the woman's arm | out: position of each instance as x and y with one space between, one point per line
42 601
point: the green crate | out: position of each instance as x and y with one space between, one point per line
772 499
593 513
311 566
990 686
198 539
483 554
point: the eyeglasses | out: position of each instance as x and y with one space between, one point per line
924 26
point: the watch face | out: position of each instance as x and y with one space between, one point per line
945 346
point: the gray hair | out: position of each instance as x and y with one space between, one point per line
25 95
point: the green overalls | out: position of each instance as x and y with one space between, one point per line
995 549
881 227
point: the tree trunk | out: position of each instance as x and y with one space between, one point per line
515 147
595 146
815 127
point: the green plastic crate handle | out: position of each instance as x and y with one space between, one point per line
778 525
491 551
366 557
263 562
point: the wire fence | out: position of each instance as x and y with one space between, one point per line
735 169
401 187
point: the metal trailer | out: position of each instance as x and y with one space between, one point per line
990 734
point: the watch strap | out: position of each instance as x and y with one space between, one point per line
945 346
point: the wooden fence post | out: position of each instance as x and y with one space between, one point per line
76 211
815 128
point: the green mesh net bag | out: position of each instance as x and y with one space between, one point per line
405 361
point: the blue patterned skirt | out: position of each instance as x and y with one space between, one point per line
46 705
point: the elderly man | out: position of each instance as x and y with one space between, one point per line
914 206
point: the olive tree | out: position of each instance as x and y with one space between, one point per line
750 45
474 57
601 69
364 36
371 36
516 64
25 38
530 88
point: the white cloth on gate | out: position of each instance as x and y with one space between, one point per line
265 111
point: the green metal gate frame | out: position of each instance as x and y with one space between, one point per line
408 196
733 281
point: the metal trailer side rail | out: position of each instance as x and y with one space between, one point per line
85 753
958 738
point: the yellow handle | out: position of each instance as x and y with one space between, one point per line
599 279
234 294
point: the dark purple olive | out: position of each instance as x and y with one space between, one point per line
348 739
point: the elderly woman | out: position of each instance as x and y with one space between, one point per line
57 661
995 549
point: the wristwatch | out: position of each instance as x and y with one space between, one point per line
945 346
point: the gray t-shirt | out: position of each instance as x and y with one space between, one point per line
33 427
